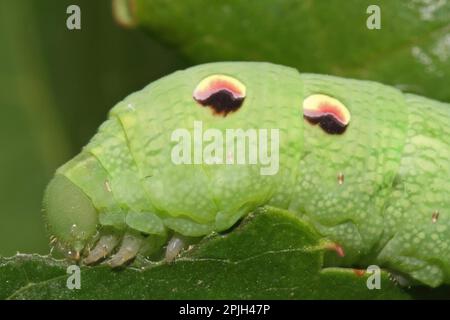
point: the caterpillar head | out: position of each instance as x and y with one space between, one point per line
71 217
127 169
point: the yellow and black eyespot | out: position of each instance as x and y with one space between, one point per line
222 93
329 113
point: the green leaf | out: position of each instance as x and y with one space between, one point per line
270 255
26 270
411 50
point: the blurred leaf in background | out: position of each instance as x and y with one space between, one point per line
410 51
56 88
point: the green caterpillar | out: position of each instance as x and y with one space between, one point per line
365 164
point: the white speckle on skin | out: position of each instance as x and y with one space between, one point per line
131 107
73 229
341 178
107 186
435 216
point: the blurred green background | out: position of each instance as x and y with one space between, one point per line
56 86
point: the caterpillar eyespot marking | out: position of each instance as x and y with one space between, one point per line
391 210
223 94
331 115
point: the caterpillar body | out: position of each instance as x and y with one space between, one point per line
365 164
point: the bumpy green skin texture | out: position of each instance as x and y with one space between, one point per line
394 156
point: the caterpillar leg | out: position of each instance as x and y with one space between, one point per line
401 280
174 247
128 250
102 249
